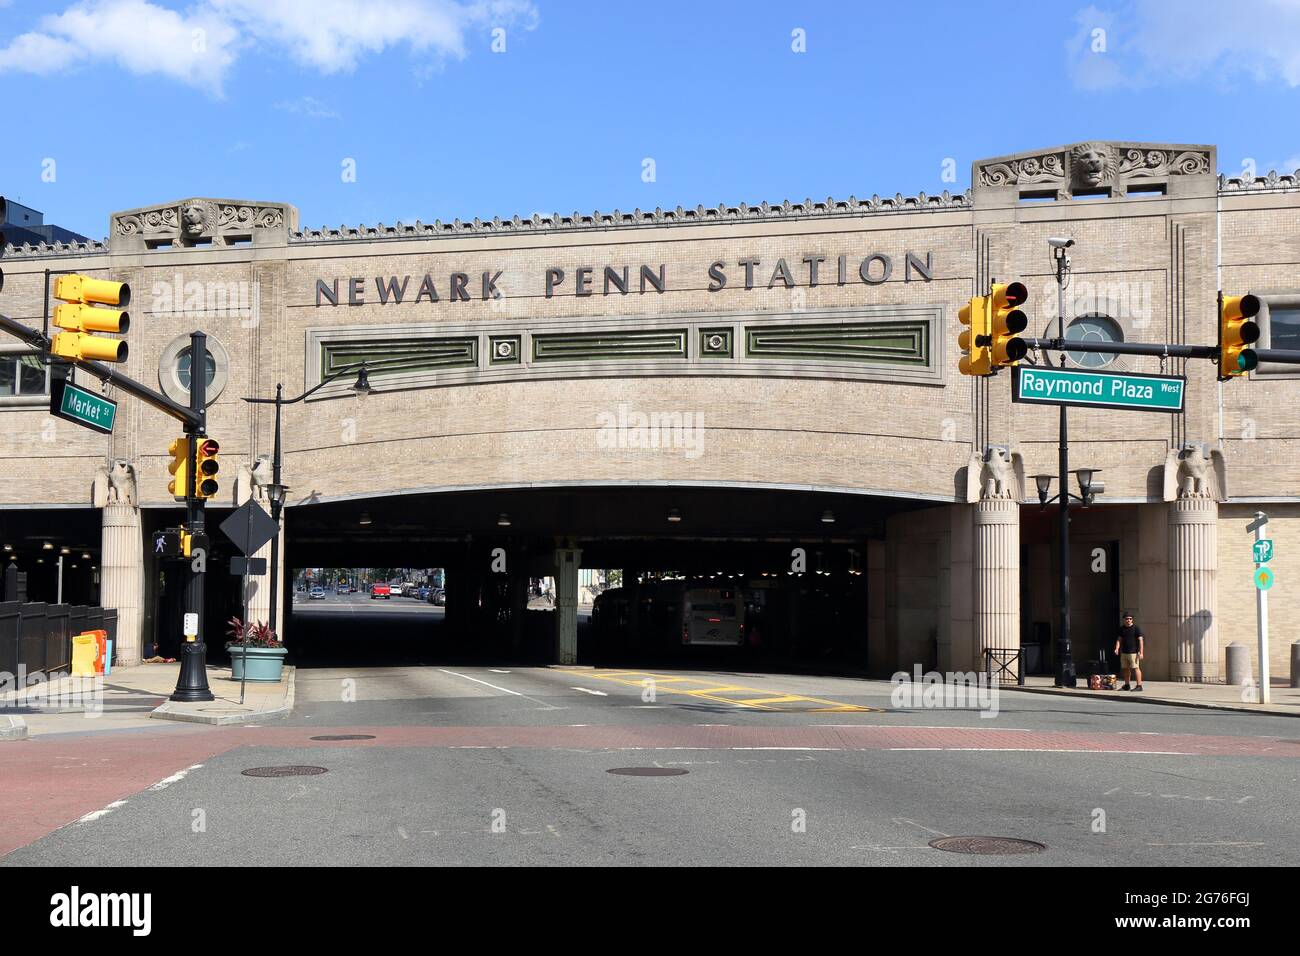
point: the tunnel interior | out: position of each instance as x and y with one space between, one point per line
708 576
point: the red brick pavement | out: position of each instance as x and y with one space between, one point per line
46 783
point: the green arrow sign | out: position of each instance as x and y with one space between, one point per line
85 408
1264 578
1136 391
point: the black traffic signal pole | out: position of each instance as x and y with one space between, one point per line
1159 350
192 683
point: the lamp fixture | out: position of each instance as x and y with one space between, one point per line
674 516
503 520
365 519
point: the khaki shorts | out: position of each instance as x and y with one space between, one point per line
1129 662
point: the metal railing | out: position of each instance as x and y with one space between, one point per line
998 661
38 637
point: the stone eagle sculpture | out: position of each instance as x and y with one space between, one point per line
1195 471
114 484
997 473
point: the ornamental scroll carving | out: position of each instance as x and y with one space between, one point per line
194 222
1086 168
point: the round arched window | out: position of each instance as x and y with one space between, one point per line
1093 328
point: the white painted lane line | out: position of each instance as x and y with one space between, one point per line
588 690
97 814
504 690
166 782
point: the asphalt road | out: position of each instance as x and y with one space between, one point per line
510 765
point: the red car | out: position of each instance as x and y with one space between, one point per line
381 591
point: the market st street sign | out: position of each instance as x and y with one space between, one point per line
78 405
1135 391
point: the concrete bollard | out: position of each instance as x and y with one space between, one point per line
1236 660
1295 664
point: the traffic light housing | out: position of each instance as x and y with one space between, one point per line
179 468
206 467
1006 323
1236 332
975 340
80 315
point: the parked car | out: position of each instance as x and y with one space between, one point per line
438 597
422 593
316 594
381 591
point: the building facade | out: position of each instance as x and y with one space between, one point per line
807 348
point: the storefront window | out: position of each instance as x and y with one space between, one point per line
22 375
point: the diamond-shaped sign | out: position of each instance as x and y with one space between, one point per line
249 527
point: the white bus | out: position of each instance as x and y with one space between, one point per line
713 617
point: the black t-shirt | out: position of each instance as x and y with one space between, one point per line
1128 639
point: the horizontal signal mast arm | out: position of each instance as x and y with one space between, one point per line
106 373
1158 349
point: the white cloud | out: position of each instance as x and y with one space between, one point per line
307 106
199 46
1155 42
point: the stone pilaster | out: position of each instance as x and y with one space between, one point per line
566 604
1193 595
997 575
121 576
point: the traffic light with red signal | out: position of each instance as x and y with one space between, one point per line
1007 322
206 467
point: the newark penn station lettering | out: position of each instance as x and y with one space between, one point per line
712 390
873 269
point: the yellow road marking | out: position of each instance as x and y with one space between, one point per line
710 691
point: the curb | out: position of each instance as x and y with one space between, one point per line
1135 699
166 711
13 728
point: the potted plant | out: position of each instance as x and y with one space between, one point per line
255 647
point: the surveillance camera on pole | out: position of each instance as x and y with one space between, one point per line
1057 242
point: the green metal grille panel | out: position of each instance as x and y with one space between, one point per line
871 343
395 357
610 346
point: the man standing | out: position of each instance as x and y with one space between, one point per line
1130 645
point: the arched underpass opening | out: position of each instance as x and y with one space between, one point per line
710 577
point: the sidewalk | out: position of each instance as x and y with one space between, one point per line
1284 700
131 697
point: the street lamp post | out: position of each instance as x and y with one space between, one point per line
277 490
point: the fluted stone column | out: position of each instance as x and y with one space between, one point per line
566 604
997 575
1193 593
121 576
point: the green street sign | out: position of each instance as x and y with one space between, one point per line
1264 578
83 407
1134 391
1263 550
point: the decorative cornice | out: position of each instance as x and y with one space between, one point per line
658 218
1274 182
43 249
1089 167
200 222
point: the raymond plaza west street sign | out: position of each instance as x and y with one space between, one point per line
1136 391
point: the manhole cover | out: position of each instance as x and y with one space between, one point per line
345 737
648 771
283 771
986 845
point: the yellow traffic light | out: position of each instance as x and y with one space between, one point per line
179 468
80 315
1236 332
974 340
1007 322
206 467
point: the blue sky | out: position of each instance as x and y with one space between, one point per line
111 104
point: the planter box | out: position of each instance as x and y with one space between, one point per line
264 663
